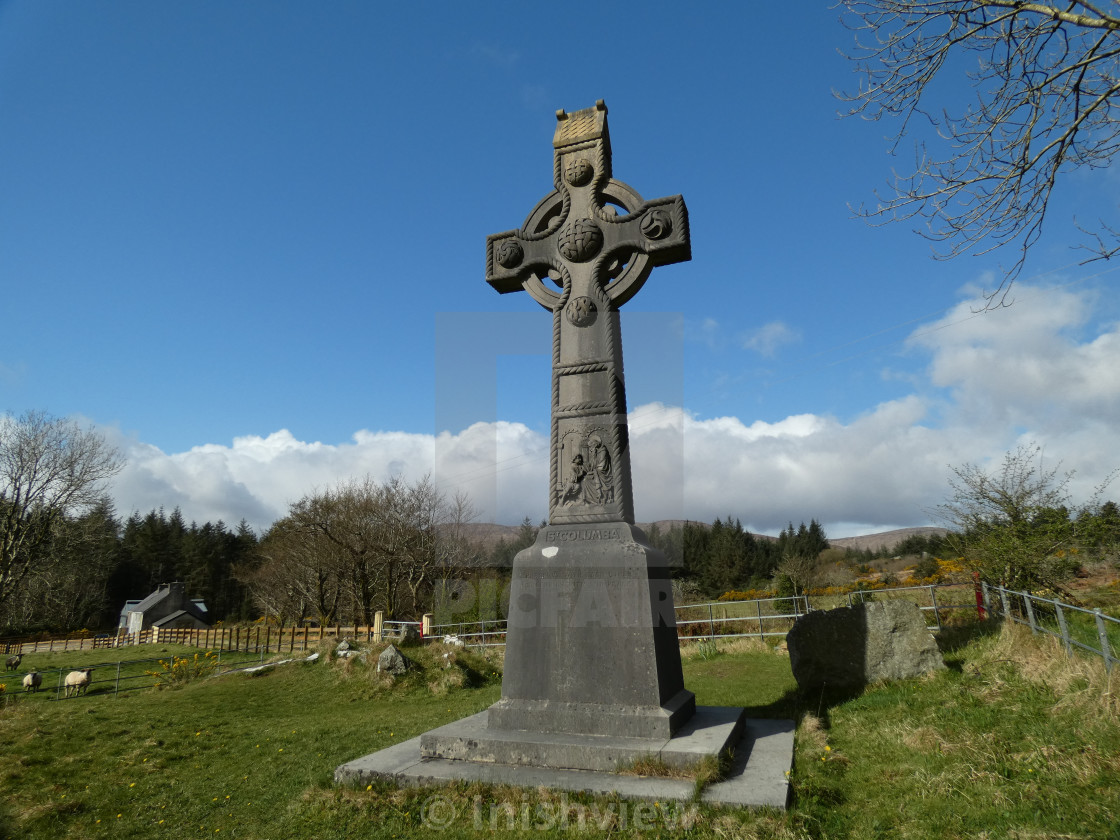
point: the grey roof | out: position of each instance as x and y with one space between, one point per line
153 599
169 619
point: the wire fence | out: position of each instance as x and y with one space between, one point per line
762 618
1089 630
117 677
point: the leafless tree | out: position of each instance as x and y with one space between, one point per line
360 547
1045 80
294 574
799 568
49 468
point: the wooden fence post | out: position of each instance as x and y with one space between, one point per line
378 625
426 625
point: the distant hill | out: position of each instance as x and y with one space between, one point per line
886 539
489 534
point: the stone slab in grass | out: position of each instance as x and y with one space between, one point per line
762 753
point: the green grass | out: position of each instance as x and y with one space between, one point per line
1013 740
137 668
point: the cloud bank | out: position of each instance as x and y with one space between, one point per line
1036 372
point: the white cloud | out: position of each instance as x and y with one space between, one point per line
1021 374
499 56
767 339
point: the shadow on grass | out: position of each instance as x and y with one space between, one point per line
796 703
953 638
7 823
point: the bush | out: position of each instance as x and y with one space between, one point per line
927 568
181 670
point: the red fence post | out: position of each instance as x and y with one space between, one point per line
979 596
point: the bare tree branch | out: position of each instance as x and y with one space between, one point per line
1045 79
49 468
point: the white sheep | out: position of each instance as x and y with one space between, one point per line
77 682
32 681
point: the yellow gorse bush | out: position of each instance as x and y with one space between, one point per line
181 670
745 595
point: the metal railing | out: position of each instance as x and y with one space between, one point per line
763 617
1073 626
779 613
115 678
488 633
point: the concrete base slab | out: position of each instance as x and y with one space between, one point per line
712 731
761 759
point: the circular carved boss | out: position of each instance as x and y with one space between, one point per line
580 241
510 254
548 212
657 224
581 311
578 172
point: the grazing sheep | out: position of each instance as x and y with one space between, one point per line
77 682
13 662
32 681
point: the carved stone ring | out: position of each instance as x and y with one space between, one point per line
638 267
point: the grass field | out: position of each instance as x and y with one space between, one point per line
1012 740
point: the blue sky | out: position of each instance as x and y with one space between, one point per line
246 241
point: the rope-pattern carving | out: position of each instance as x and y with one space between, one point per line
589 518
554 466
586 409
589 367
566 201
623 494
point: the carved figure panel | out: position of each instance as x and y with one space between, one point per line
590 478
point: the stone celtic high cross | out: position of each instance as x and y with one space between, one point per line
592 681
597 258
591 642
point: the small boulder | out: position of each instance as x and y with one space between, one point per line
408 635
852 647
392 661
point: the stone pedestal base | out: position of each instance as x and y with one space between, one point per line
592 685
761 754
591 640
712 731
